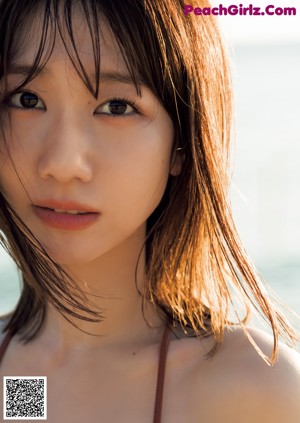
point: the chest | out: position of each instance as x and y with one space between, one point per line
98 392
94 397
123 400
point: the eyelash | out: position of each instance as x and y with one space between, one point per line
124 100
8 97
120 99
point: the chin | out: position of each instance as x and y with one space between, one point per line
71 255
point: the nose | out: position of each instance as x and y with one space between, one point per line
65 150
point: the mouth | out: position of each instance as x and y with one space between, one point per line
65 206
65 215
66 211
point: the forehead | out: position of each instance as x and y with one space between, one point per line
81 47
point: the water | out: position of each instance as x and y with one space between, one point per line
267 171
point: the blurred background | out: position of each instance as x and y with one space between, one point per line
265 53
265 194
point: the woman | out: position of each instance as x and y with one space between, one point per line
116 121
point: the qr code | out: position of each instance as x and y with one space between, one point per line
25 397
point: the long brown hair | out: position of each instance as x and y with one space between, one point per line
194 257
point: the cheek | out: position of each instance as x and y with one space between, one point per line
142 174
9 182
6 168
14 173
24 135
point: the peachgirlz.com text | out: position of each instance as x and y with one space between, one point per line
240 9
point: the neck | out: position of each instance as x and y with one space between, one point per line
111 283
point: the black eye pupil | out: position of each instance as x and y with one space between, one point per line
117 107
28 100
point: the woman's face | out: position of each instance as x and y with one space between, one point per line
112 154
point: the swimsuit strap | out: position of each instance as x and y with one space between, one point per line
4 345
161 375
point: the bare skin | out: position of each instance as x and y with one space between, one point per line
116 384
74 148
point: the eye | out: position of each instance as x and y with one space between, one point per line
25 100
117 107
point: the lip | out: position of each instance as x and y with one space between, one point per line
65 205
70 222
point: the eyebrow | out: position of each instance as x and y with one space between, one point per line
24 70
118 77
106 76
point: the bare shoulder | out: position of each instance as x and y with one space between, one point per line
243 384
239 350
269 393
236 342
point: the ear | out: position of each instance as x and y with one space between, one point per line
177 162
